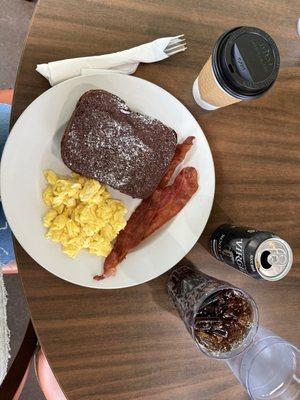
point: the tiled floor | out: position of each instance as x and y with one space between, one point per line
15 16
14 21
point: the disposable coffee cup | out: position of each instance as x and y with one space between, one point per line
244 64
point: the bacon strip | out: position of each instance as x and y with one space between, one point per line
131 235
180 153
139 223
173 198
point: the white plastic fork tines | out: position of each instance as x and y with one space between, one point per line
176 45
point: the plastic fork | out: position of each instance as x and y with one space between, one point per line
176 45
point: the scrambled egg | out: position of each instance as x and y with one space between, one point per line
82 214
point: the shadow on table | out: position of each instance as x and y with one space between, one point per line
158 288
218 216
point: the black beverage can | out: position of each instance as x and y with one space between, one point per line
260 254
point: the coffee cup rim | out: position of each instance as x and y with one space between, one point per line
217 69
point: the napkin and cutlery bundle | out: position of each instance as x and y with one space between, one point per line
122 62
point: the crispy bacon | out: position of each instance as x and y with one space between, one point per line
173 198
131 235
144 219
180 153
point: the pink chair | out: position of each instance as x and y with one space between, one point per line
10 268
15 379
22 384
14 382
46 379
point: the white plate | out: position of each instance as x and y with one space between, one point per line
34 145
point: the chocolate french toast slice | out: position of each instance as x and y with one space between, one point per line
109 142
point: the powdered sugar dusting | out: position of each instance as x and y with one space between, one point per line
145 119
109 142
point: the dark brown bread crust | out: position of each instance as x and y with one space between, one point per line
107 141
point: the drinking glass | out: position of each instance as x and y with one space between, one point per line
190 290
269 369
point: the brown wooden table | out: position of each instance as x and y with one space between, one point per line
129 344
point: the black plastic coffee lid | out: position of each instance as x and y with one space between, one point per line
246 62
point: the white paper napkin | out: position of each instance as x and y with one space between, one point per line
124 62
